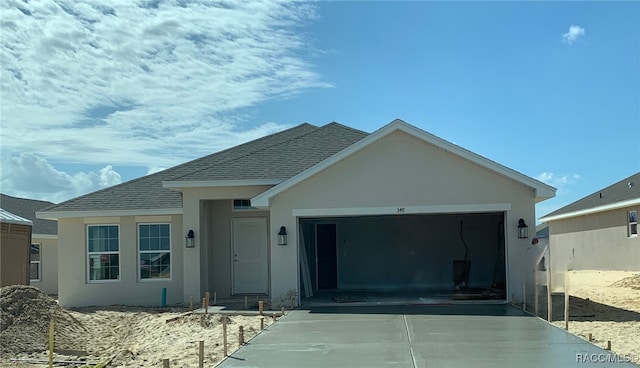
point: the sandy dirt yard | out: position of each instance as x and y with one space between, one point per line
114 336
607 305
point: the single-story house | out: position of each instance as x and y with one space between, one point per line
44 241
597 232
305 210
15 237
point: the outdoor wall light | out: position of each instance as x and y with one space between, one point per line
191 239
523 229
282 236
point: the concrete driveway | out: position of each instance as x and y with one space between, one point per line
470 335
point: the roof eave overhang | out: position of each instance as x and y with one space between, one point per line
179 185
588 211
541 191
55 215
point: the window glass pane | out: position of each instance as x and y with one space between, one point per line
154 244
35 252
113 232
633 216
98 245
154 231
155 265
34 272
633 229
144 231
113 245
164 230
164 244
144 244
103 266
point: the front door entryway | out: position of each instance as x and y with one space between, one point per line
249 255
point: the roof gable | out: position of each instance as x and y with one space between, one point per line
27 209
623 193
542 191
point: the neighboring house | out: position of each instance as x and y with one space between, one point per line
44 242
303 210
15 237
597 232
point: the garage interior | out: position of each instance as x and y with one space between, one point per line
406 256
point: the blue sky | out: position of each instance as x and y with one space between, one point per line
94 95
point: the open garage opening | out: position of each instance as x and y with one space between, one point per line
454 256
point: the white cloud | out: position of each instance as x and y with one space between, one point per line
557 181
31 176
150 83
574 33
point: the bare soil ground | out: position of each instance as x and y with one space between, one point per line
607 305
117 336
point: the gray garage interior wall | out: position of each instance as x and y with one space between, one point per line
411 251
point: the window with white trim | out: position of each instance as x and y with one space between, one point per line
154 251
633 223
35 270
242 205
103 252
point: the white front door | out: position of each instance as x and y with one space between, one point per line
249 255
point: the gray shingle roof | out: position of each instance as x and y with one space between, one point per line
282 160
277 156
615 193
27 208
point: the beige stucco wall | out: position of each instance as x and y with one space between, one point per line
597 241
75 290
48 264
397 171
199 217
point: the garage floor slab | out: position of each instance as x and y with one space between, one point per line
463 335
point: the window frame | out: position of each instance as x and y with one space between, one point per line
38 262
89 254
140 252
631 223
242 208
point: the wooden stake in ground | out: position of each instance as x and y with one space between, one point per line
190 303
590 336
215 298
261 307
261 323
51 329
566 300
204 305
241 335
246 302
206 297
608 345
165 363
224 335
200 354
